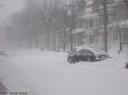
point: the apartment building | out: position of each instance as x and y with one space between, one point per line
92 30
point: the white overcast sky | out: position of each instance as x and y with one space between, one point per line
8 7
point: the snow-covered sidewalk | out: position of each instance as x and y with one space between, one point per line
48 73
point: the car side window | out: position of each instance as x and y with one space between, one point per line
84 52
89 52
79 52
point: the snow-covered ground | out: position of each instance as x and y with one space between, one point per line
48 73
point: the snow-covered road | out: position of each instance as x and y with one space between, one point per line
48 73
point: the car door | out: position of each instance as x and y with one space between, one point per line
89 55
79 55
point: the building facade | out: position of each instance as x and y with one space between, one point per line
92 30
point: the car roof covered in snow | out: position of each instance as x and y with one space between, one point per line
95 50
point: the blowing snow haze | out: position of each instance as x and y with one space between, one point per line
8 7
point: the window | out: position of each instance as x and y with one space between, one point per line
85 52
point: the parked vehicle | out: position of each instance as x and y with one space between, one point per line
3 53
86 54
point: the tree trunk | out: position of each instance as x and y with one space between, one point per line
71 39
120 41
64 40
105 26
54 40
71 29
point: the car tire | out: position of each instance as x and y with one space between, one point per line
91 59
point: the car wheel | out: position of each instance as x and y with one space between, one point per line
91 59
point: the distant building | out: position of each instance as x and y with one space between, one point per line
92 30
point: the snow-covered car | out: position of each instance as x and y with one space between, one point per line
86 54
3 53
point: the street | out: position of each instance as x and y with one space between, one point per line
48 73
